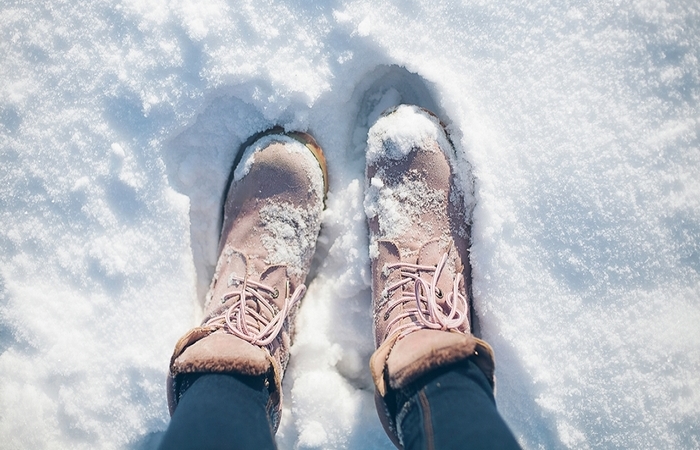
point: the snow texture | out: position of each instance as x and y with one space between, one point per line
397 202
119 122
399 206
400 131
289 234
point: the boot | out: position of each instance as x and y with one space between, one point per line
419 239
272 217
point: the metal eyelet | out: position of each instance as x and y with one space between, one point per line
438 293
276 293
386 315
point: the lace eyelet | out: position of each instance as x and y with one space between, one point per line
386 315
276 293
438 293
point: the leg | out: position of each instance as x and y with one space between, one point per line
452 407
220 411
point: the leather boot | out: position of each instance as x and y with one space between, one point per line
419 250
272 218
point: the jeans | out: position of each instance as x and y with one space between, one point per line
450 408
220 411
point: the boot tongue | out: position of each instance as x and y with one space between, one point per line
234 265
237 262
276 277
430 255
256 269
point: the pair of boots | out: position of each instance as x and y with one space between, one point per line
418 251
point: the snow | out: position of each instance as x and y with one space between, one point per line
290 233
396 134
397 202
248 157
119 122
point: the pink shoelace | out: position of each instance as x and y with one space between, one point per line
423 302
254 317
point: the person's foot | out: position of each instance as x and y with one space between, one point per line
419 239
272 218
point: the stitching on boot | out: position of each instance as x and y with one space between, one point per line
427 420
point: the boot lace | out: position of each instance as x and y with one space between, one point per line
422 304
253 317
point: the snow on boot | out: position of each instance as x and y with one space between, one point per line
272 218
419 238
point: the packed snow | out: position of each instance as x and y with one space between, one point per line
400 129
119 123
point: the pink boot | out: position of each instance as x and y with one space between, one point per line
419 242
272 217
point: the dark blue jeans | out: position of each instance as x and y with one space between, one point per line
451 408
219 411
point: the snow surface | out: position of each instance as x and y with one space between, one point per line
119 121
